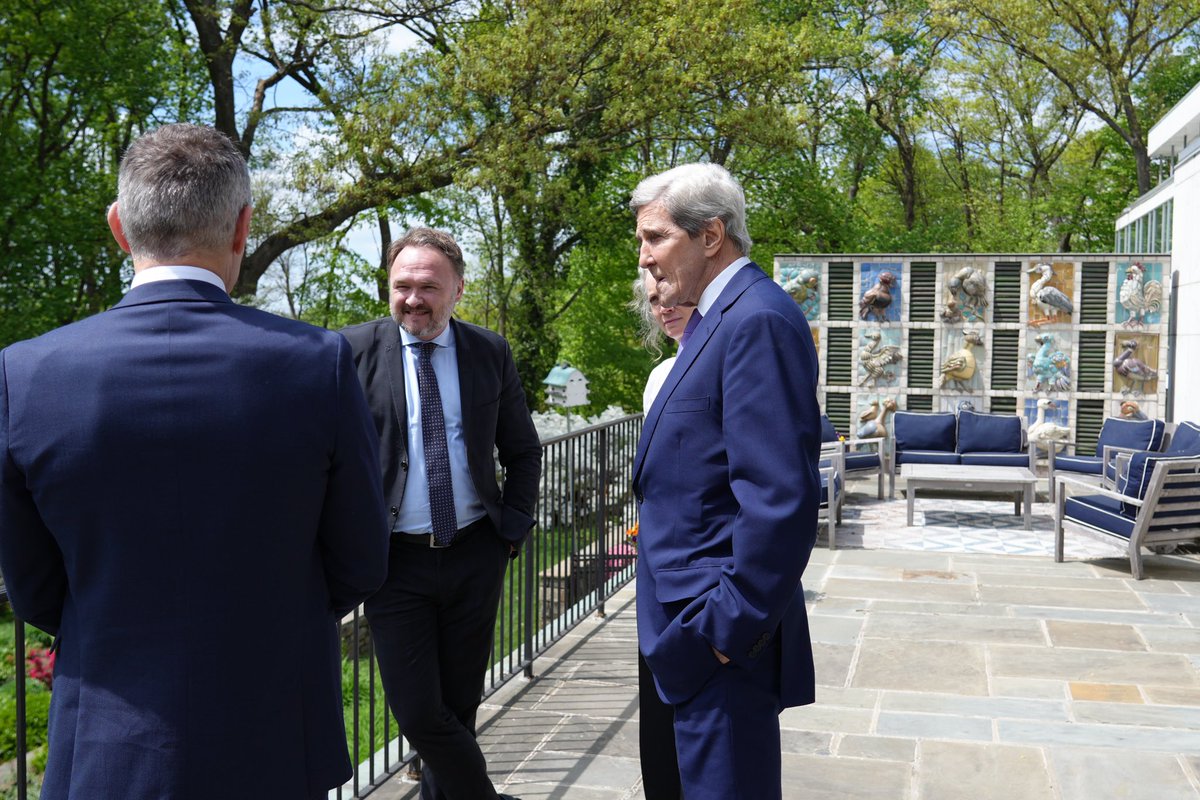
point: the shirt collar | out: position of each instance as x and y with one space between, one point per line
175 273
443 339
711 292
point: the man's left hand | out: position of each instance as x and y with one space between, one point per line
724 659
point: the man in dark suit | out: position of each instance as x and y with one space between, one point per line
445 395
189 501
726 475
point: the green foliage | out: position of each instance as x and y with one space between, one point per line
37 717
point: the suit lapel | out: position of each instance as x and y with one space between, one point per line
393 360
466 375
745 277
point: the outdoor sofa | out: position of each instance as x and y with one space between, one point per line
968 437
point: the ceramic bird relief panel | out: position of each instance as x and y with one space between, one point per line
1048 421
1051 292
1129 408
1140 294
966 293
879 357
874 415
879 297
1048 366
961 402
1135 364
802 281
962 360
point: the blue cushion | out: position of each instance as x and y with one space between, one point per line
988 433
828 432
1135 434
1136 480
1185 441
926 457
917 431
1100 513
997 459
1085 465
860 461
837 488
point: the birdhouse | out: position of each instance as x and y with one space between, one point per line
566 387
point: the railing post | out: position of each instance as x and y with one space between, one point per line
22 744
602 520
531 588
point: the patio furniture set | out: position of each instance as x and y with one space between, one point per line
1141 487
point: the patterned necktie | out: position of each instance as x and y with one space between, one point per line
692 323
437 456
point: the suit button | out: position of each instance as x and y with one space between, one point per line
404 465
395 511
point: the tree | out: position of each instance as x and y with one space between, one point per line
1097 51
77 82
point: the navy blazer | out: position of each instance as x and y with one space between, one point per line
495 419
189 500
726 474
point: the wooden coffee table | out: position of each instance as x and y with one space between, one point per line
1017 481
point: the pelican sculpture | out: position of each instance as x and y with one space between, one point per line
1050 300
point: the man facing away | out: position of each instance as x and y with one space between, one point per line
445 395
189 500
726 475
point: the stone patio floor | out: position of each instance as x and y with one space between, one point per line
947 668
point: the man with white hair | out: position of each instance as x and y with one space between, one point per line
727 481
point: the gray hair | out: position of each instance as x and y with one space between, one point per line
435 240
180 189
648 329
695 194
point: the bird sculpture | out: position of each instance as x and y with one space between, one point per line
964 405
1049 365
875 360
1137 373
804 288
1131 410
1048 434
952 312
876 300
869 412
960 367
1050 300
969 286
877 426
1139 296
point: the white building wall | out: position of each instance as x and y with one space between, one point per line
1185 259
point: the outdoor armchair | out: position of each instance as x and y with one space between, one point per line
862 457
1117 436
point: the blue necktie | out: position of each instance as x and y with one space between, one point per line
692 323
437 455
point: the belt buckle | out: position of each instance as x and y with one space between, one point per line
433 545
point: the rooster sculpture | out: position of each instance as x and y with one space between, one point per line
1050 300
1139 296
876 300
960 367
1137 373
875 360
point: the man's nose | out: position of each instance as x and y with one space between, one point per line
644 256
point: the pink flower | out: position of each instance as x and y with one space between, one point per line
41 665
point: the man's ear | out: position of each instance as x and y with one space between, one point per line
241 229
713 236
114 224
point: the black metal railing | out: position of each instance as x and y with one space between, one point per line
575 559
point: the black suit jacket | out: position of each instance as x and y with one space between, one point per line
495 418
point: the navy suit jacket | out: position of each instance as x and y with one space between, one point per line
189 500
495 419
726 474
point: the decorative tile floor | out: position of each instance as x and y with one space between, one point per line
955 525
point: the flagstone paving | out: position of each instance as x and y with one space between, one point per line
942 673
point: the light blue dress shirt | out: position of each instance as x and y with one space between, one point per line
414 514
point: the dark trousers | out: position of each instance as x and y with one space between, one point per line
432 623
656 740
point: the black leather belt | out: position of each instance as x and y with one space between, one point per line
426 539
